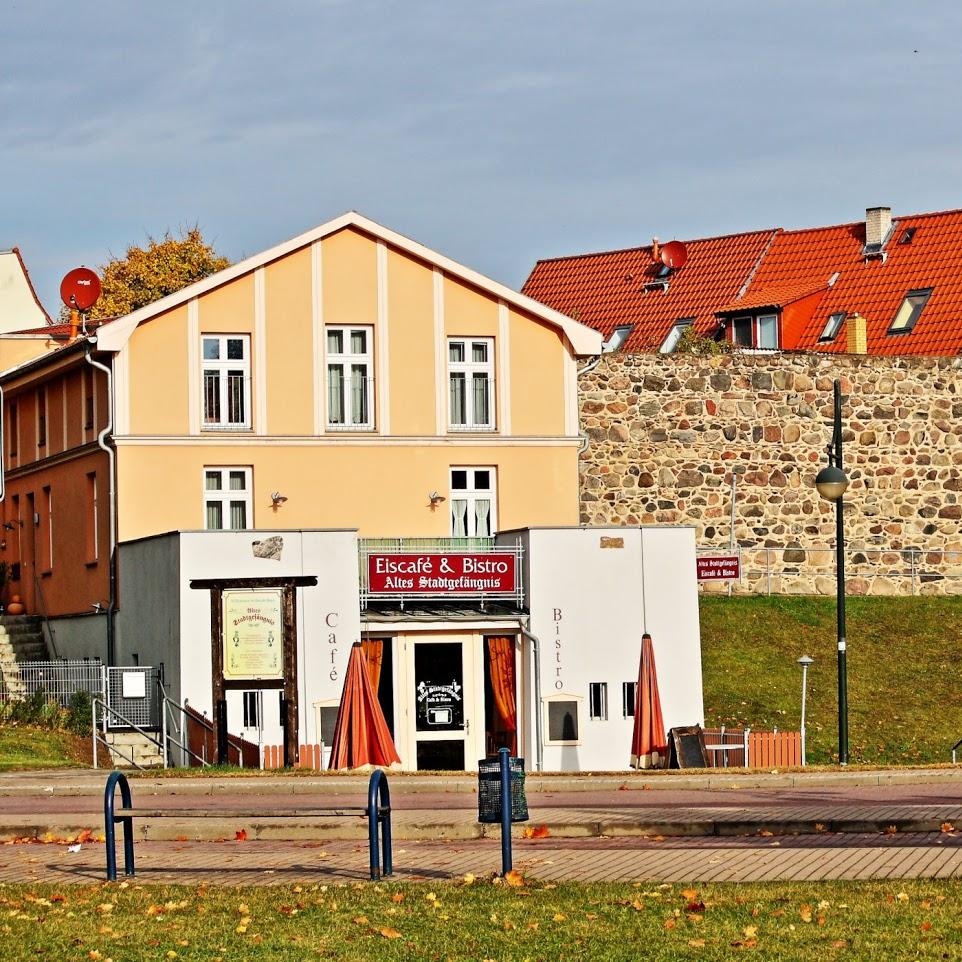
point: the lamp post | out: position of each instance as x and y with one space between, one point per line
831 483
804 661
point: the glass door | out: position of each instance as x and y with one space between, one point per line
442 707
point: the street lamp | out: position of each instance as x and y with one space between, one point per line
804 661
831 483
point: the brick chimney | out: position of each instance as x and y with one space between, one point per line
878 222
856 337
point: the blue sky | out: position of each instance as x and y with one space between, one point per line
496 133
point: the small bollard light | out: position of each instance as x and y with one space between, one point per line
804 661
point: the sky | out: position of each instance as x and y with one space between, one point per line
495 133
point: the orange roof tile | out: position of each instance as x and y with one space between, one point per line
607 290
812 273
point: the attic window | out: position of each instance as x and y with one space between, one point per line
618 337
832 326
664 271
910 310
907 235
675 335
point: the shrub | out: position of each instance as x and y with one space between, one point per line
78 718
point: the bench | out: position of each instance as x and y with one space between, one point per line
377 811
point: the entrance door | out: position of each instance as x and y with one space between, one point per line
444 703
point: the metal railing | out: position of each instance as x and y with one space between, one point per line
58 680
42 603
133 690
111 718
921 571
179 739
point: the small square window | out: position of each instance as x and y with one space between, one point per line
211 349
563 721
832 327
629 690
910 310
598 700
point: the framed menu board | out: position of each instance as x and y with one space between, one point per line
252 629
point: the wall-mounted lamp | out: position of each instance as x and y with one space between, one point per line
436 499
277 499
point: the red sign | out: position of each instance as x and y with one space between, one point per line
441 574
718 567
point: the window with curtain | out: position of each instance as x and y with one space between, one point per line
472 502
227 499
350 378
470 383
226 381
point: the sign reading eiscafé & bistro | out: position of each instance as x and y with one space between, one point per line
253 626
441 574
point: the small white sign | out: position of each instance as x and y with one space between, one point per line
135 684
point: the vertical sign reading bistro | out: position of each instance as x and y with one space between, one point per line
253 627
454 574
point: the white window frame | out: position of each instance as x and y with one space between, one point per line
675 334
225 495
221 368
472 494
756 324
832 326
471 371
562 696
346 361
629 693
599 688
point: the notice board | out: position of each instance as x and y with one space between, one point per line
686 747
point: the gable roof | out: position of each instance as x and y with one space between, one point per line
583 340
607 290
807 274
19 304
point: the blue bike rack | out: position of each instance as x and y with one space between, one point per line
379 813
110 820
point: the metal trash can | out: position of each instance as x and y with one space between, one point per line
489 790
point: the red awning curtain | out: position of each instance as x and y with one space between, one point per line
361 736
504 725
649 745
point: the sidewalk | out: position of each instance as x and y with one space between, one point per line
716 804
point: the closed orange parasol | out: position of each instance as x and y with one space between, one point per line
649 746
361 736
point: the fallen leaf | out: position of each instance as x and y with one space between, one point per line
926 925
891 830
558 917
669 923
820 827
947 827
468 880
805 912
360 920
181 838
695 907
697 943
765 833
537 831
750 931
390 933
839 944
240 835
514 878
689 894
397 897
902 896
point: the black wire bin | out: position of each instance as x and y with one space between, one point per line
489 790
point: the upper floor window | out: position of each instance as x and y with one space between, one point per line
42 417
472 502
910 310
88 392
227 499
471 376
13 428
350 378
226 360
832 326
760 333
675 334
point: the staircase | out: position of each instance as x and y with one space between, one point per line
126 745
21 640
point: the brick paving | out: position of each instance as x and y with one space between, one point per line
720 859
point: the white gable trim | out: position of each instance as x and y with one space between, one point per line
582 340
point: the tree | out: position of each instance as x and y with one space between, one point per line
145 274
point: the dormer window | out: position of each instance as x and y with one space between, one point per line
910 310
675 335
832 327
759 333
617 339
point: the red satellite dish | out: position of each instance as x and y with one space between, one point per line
80 288
674 254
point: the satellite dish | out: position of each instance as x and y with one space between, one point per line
674 254
80 289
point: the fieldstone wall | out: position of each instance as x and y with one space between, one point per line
667 433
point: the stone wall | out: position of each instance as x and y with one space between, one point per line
666 434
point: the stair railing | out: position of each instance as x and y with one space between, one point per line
107 712
42 605
169 721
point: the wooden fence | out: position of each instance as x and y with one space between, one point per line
728 747
308 756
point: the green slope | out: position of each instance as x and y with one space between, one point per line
904 672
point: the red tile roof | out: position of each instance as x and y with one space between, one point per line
607 290
811 273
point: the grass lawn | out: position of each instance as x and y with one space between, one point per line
904 691
24 747
828 921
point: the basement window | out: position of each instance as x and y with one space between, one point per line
832 327
910 310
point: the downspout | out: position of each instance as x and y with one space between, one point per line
539 741
102 441
587 369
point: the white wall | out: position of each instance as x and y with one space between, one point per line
589 606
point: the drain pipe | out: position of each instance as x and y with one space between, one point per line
111 456
587 369
539 741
